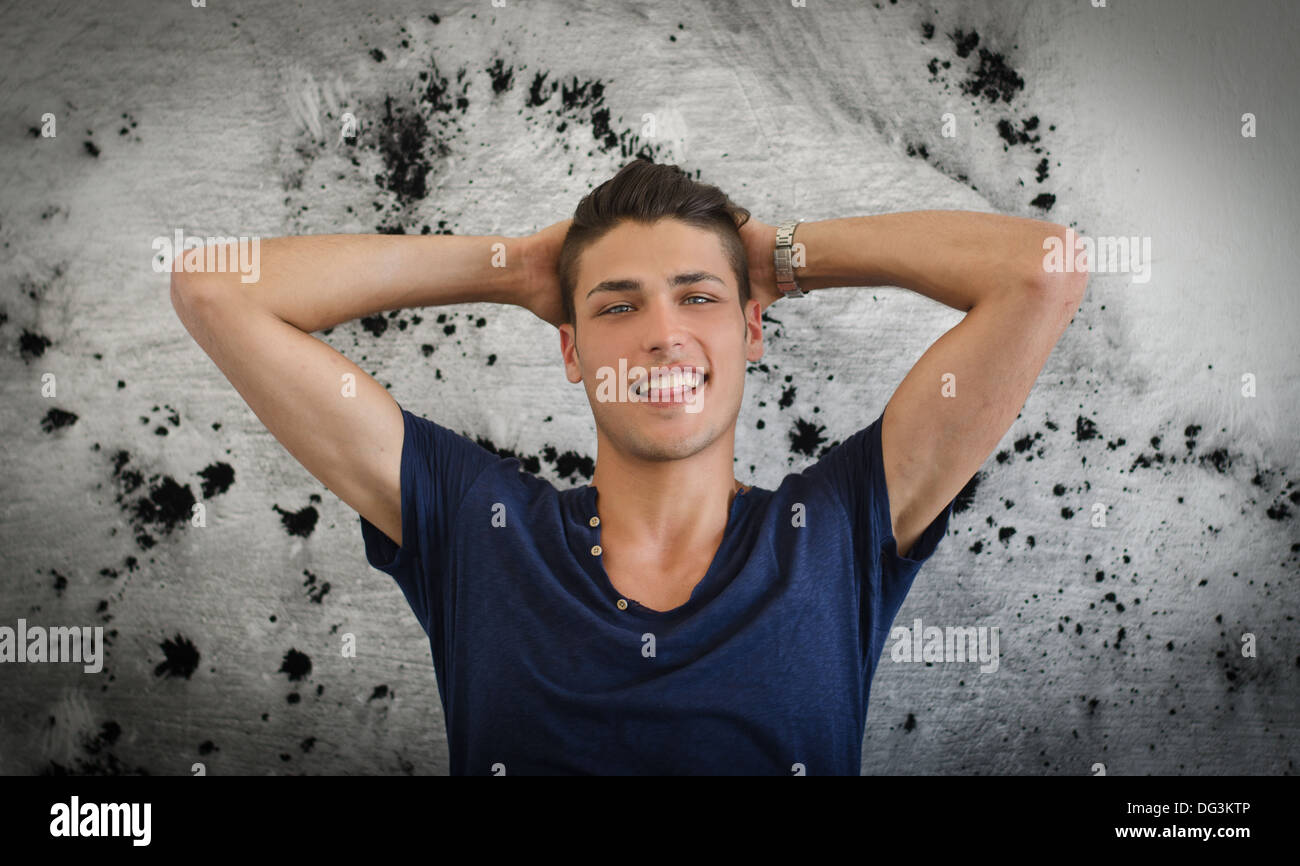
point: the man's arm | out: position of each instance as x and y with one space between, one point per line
259 336
991 267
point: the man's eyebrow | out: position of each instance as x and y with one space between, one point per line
632 285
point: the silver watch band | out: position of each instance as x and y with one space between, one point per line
785 280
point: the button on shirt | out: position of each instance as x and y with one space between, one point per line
543 667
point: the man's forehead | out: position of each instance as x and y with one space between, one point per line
693 256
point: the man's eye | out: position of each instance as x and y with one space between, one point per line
704 298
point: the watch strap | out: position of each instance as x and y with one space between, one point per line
785 280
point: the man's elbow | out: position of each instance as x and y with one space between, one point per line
185 280
1071 285
192 289
1062 270
191 282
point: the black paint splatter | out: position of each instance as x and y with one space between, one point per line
993 79
57 419
100 760
570 463
1219 459
314 592
1012 136
537 91
966 496
502 77
217 478
32 345
167 506
402 138
300 523
182 658
964 43
805 437
297 665
1024 443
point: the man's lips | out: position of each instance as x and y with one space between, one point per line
672 384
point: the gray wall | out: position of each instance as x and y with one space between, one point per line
1119 645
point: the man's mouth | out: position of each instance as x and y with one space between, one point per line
670 385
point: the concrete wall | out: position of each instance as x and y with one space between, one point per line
1119 644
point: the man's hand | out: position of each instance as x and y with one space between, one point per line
760 244
542 287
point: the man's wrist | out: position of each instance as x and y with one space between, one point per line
512 275
814 255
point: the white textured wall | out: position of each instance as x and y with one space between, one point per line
225 120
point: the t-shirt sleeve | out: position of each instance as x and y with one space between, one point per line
438 468
855 469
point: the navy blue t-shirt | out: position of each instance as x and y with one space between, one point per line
767 666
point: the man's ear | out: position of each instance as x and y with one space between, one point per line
569 351
753 330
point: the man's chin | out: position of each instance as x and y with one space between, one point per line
668 446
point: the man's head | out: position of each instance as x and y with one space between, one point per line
643 191
654 274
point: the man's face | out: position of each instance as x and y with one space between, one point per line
656 296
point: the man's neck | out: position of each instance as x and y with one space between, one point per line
673 511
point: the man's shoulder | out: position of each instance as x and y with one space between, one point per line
467 466
808 484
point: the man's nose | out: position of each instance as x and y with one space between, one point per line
664 325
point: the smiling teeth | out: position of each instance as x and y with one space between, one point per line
669 381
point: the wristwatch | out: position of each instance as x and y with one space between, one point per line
784 272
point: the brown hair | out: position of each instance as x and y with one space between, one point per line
646 192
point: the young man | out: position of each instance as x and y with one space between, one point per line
664 619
